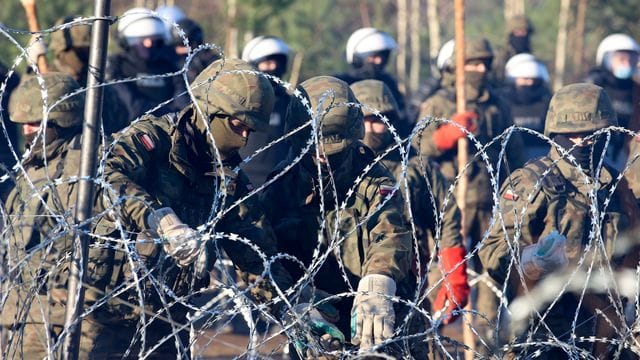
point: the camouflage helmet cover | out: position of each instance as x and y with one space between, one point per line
76 36
579 108
376 95
25 104
232 87
341 125
519 22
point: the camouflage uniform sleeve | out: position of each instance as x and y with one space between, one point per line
390 249
523 212
248 220
433 107
128 167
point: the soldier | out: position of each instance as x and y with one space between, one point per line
365 241
168 172
70 48
519 31
144 40
270 55
548 218
38 230
428 192
527 94
487 117
368 51
7 158
616 64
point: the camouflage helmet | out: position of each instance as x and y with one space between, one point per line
474 49
341 125
377 95
519 22
232 87
76 36
25 105
578 108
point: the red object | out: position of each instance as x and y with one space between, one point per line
447 135
455 286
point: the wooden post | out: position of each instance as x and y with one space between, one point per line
32 21
463 159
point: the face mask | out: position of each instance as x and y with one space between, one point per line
527 94
520 44
475 83
227 140
623 72
587 156
377 142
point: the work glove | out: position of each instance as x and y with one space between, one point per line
454 292
446 136
180 241
317 336
36 48
547 255
372 315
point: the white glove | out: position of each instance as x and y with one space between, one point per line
179 240
36 48
547 255
372 315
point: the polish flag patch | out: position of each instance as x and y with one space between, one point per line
385 190
146 141
510 195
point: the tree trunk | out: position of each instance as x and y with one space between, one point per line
578 59
231 46
401 60
414 29
561 44
434 28
364 14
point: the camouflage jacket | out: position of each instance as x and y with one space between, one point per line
152 166
41 210
370 234
494 119
533 206
428 192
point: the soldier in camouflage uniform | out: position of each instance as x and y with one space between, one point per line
546 217
40 216
487 116
519 30
427 191
366 244
166 176
70 48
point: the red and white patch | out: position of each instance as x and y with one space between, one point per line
385 190
147 141
510 195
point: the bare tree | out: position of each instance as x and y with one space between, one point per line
578 41
401 61
414 30
364 13
561 44
231 45
434 28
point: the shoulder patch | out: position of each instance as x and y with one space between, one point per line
146 141
510 195
385 190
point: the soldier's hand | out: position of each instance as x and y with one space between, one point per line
547 255
372 315
454 292
179 240
322 336
447 135
36 48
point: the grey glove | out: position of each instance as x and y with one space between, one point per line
36 48
178 240
321 337
372 315
547 255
